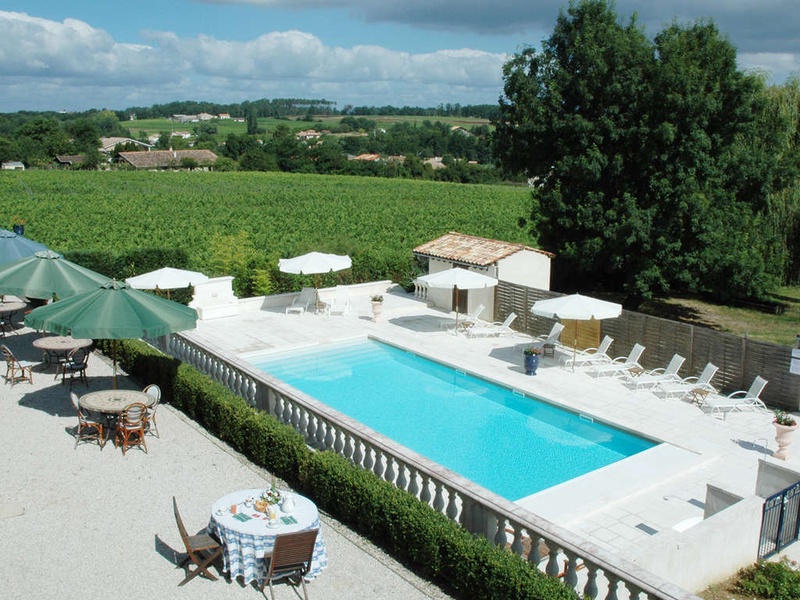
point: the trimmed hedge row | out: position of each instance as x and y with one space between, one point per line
466 565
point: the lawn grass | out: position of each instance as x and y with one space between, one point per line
779 329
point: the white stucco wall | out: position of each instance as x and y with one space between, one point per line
526 267
442 298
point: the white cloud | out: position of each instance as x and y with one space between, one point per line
44 62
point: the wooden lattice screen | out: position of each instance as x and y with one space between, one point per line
739 359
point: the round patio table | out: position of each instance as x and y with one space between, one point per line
247 535
113 402
56 348
7 310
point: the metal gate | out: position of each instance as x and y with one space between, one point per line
779 521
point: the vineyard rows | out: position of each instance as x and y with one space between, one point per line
376 221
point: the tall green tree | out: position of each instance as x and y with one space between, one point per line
634 146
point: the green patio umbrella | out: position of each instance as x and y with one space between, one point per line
113 311
47 274
14 246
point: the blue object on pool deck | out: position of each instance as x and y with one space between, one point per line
511 444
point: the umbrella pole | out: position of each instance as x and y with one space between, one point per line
114 359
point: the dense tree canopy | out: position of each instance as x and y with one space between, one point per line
642 152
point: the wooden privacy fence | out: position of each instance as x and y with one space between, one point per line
739 359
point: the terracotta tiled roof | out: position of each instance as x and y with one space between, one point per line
71 159
157 159
471 250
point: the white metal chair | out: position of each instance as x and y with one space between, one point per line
591 356
620 365
679 389
650 379
340 304
484 329
301 302
737 401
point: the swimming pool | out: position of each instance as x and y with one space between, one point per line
511 444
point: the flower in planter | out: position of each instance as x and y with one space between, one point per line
15 220
533 350
784 418
376 298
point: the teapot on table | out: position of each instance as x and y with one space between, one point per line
288 503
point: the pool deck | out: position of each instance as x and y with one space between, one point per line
619 507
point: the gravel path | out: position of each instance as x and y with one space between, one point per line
85 523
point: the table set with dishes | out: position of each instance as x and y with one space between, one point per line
247 522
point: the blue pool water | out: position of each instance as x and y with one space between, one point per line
508 443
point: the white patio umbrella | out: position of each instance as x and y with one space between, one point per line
458 278
167 278
576 307
315 263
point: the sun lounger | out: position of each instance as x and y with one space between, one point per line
301 302
649 379
716 404
484 329
620 365
591 356
549 339
340 303
696 386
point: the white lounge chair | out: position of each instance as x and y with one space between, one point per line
484 329
679 389
551 338
591 356
737 401
620 365
307 297
650 379
473 317
340 304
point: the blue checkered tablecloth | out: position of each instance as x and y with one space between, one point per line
246 542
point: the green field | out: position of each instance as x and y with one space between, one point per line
261 215
227 126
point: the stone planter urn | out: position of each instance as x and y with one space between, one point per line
377 308
531 363
783 437
18 229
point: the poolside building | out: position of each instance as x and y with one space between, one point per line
505 261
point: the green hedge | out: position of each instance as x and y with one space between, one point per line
466 565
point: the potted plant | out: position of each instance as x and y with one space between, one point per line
784 427
377 306
530 355
18 225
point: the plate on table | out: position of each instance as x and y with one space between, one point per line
222 512
273 524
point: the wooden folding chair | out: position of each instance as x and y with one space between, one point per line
202 550
291 558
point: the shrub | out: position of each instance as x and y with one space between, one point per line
776 580
426 540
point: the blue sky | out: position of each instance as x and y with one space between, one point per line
82 54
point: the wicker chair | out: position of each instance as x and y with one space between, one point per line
87 430
154 391
76 363
290 559
16 369
202 549
131 427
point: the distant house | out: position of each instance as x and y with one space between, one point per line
168 159
108 144
223 116
67 161
13 165
309 134
505 261
366 157
204 116
435 162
